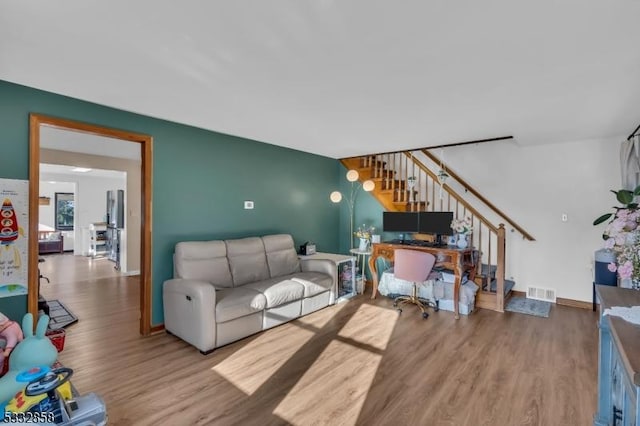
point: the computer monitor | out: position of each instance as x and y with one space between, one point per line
437 223
400 222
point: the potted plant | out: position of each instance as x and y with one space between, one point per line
462 228
624 196
622 236
364 233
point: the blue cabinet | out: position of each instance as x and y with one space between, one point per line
618 361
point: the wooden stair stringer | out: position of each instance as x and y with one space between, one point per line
384 197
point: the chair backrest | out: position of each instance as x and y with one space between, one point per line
412 265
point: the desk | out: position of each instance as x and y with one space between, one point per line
362 258
450 257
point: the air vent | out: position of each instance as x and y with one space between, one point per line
541 293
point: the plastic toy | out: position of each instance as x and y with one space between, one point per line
34 350
31 392
9 331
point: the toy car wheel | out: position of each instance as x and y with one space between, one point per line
425 315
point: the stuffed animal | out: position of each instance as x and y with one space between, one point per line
12 334
35 350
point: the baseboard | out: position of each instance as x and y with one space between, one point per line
561 301
131 273
157 329
574 303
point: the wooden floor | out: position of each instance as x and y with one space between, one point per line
358 362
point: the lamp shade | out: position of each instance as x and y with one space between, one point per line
335 196
352 175
368 185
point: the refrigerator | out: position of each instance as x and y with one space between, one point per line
115 223
115 208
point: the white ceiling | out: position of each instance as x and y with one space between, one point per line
341 78
47 170
67 140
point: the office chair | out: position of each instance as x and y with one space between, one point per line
42 302
413 266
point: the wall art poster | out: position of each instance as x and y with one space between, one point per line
14 225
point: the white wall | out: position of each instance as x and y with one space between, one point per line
90 200
535 185
48 189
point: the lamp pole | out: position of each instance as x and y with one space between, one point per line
352 203
336 197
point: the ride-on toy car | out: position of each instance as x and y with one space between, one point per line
31 391
49 399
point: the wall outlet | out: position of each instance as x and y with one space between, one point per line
248 205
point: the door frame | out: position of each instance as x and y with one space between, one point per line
146 141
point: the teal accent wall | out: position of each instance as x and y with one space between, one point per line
200 181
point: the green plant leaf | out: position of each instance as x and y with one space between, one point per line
624 196
632 206
602 218
637 190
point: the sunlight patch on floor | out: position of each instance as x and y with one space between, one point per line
359 326
320 318
326 380
248 372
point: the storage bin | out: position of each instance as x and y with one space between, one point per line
463 308
57 338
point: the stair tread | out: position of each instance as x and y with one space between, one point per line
508 286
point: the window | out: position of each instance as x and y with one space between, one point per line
64 211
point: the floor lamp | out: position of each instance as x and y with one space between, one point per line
336 196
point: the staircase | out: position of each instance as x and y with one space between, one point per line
404 182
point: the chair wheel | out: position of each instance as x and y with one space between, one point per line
425 315
399 310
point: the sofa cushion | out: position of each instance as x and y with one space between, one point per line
278 291
247 260
203 260
282 258
313 282
232 303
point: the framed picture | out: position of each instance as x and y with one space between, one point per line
65 207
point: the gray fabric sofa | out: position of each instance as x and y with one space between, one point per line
223 291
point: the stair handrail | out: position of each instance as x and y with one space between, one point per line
471 189
453 193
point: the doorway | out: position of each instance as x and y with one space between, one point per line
36 122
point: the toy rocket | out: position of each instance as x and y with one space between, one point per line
9 229
8 223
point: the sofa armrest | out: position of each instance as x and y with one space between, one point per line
190 311
321 265
325 266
